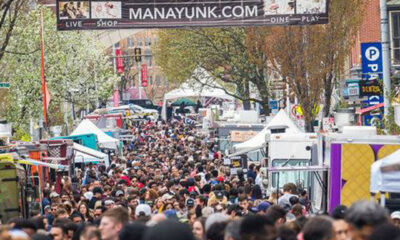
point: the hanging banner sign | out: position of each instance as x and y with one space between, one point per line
94 14
143 70
119 61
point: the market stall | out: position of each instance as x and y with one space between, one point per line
197 86
104 140
280 121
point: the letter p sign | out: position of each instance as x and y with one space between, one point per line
372 53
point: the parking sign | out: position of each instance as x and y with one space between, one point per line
371 59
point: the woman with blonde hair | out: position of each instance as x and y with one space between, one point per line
159 206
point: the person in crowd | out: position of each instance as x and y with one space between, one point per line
112 223
363 217
289 190
319 228
170 182
133 231
257 227
395 218
59 230
340 226
199 231
232 230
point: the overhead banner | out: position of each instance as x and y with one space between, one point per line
92 14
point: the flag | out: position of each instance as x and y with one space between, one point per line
48 97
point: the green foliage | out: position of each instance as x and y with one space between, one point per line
389 125
75 65
233 56
21 135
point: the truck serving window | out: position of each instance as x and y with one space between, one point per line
290 176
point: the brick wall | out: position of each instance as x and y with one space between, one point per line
369 30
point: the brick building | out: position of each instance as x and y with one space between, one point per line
146 40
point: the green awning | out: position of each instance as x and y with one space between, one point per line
187 102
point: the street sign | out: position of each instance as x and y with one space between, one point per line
4 85
353 89
273 105
370 88
371 59
85 15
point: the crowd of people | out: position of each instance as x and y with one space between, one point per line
171 183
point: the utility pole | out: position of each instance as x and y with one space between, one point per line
140 80
385 56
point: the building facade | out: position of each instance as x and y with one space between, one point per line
146 41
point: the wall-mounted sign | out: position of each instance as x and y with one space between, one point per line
95 14
370 88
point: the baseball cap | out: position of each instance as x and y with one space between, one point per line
395 215
219 194
108 202
190 202
54 195
170 213
143 210
263 206
88 195
119 193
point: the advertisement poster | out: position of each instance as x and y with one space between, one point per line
93 14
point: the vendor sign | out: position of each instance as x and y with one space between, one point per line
95 14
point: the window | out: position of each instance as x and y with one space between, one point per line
139 41
155 40
296 177
147 41
148 57
395 36
130 42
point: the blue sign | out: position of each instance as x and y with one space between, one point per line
371 60
273 105
375 100
373 120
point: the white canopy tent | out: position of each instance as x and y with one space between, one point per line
196 86
85 155
385 174
281 120
88 127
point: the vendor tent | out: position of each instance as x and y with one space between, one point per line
197 86
385 174
87 127
186 101
281 120
85 155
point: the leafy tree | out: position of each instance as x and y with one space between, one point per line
312 58
233 56
10 10
76 69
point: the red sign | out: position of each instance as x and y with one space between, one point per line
119 61
144 75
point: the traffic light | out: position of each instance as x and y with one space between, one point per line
138 54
